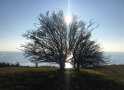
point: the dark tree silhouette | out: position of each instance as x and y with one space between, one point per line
86 53
49 42
54 41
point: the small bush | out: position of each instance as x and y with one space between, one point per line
4 64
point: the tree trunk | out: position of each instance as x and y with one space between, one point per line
78 67
74 66
36 64
62 66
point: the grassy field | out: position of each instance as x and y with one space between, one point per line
49 78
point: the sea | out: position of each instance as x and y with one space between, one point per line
116 58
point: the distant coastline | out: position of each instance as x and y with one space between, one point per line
17 56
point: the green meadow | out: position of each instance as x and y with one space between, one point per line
50 78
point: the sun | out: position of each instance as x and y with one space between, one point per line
68 19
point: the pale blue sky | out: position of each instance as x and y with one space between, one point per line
17 16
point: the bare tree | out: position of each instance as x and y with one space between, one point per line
86 53
49 42
54 40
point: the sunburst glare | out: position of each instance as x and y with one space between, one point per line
68 19
68 65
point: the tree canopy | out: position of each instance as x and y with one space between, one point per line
54 40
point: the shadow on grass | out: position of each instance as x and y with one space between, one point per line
89 81
56 80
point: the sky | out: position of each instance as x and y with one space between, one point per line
18 16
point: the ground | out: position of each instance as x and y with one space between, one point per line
50 78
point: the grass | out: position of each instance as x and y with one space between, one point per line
49 78
113 72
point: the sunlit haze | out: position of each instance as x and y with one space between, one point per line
68 65
18 16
